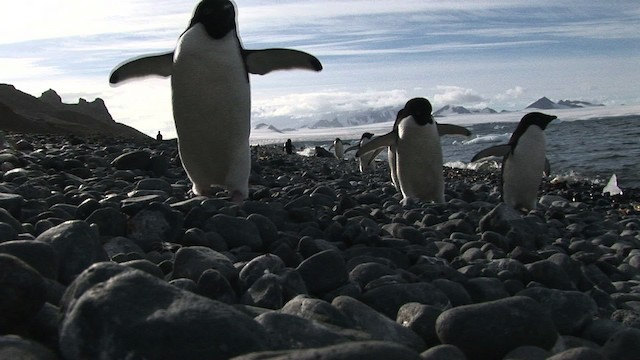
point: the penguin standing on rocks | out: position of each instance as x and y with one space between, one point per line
365 161
524 161
338 148
211 96
415 153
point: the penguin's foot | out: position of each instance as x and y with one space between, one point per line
237 197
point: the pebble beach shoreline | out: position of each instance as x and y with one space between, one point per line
104 254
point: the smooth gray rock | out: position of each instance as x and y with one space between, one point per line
133 160
22 292
370 350
134 312
387 299
214 285
236 231
18 348
324 271
379 326
110 221
288 332
39 255
490 330
192 261
623 345
77 246
311 308
421 319
579 353
258 266
154 224
571 311
443 352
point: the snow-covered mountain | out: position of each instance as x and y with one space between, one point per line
545 104
386 114
452 110
333 120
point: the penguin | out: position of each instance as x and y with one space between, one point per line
365 161
415 153
211 96
524 161
338 148
288 147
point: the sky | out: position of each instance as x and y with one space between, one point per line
502 54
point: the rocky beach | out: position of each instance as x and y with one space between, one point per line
105 254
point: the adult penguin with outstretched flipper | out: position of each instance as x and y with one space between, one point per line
524 161
415 153
365 161
211 96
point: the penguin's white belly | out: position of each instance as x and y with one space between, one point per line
419 163
523 170
211 109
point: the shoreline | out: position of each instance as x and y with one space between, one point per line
320 260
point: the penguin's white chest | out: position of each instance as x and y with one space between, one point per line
523 169
211 108
419 161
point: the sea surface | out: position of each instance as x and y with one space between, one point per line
592 149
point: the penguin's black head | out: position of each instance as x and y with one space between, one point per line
217 16
367 135
539 119
420 109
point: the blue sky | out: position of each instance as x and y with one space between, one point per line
503 54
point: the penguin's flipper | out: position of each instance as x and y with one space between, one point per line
352 148
547 167
498 150
448 129
150 65
374 156
265 61
376 143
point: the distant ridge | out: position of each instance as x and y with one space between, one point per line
450 110
47 114
545 104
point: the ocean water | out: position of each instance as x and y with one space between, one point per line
587 149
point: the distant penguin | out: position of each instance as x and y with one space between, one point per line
288 147
415 153
365 161
159 136
524 161
211 94
338 148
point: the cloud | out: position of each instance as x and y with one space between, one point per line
511 94
455 95
326 102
